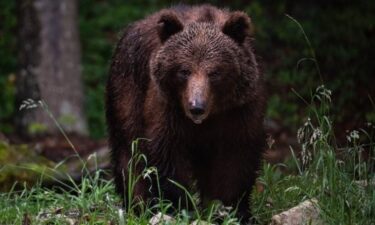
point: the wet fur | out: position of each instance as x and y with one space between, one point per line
224 152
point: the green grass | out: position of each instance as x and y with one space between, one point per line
322 170
91 202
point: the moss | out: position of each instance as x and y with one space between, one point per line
23 165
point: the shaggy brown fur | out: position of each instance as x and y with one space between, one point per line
186 78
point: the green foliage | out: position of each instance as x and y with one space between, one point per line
342 35
323 171
93 200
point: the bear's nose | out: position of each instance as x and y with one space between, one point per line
197 109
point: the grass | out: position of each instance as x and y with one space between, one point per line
322 170
92 201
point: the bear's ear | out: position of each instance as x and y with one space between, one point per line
238 26
168 25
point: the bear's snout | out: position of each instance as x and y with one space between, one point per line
197 110
196 98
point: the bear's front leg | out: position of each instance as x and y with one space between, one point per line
130 183
172 181
230 179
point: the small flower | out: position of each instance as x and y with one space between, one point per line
354 135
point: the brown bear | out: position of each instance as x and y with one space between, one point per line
186 79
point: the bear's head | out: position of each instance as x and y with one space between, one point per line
204 67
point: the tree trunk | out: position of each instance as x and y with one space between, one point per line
50 66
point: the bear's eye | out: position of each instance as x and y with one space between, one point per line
183 73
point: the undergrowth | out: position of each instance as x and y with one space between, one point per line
93 200
341 178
